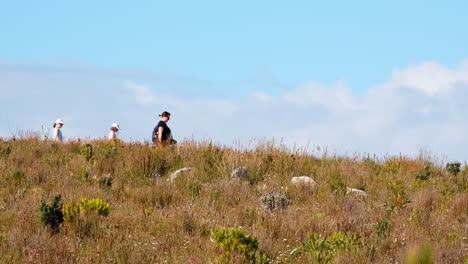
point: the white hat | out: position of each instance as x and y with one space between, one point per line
116 125
59 121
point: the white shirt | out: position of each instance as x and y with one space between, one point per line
112 135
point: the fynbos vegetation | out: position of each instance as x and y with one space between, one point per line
120 205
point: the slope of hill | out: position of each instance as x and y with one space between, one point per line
411 208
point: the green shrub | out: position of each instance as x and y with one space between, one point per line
453 168
324 248
51 215
82 215
87 151
94 206
235 243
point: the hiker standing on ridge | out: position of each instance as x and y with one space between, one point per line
162 133
113 131
58 137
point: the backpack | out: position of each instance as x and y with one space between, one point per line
154 136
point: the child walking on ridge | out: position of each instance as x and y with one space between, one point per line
114 131
58 137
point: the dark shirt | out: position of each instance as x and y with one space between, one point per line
166 132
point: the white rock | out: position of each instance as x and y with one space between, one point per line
240 173
177 172
356 191
306 180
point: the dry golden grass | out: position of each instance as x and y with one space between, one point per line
153 220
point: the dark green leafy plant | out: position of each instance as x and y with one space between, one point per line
453 168
51 215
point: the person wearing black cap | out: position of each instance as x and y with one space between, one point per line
162 133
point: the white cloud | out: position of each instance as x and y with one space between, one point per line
430 78
421 106
142 93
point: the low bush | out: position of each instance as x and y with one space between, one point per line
453 168
235 244
94 206
71 212
51 215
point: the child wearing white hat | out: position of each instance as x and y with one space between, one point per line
58 137
113 131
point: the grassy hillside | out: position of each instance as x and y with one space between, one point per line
413 209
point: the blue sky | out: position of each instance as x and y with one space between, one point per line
359 42
218 55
